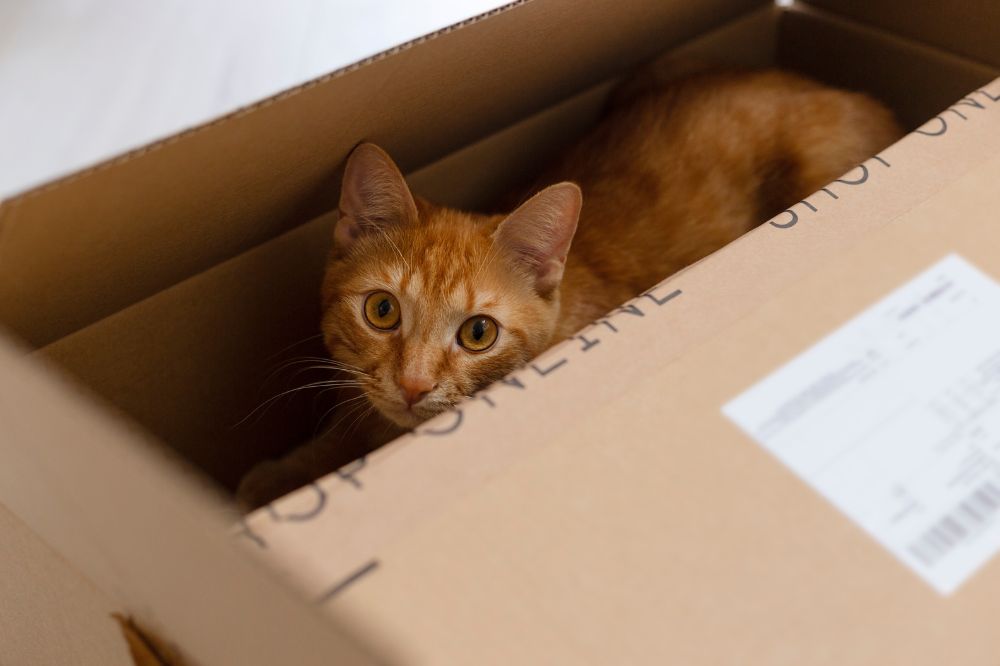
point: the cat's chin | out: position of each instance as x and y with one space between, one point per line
401 417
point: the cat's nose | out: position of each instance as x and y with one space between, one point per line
415 389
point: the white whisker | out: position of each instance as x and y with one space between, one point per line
358 420
348 401
353 409
325 383
294 344
318 363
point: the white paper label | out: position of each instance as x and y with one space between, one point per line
895 419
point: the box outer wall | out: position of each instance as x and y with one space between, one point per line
149 480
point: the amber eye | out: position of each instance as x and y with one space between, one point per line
382 310
478 333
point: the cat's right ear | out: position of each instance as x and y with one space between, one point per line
538 234
373 195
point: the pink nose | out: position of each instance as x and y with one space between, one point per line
415 389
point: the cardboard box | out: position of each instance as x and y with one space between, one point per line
632 521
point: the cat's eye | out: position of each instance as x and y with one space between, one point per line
478 333
382 310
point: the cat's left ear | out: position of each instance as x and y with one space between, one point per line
373 195
538 234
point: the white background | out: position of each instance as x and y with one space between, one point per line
84 80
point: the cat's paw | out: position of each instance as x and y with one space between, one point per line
268 481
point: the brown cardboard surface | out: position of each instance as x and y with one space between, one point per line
351 516
192 363
966 28
149 264
649 529
149 538
136 225
894 69
49 613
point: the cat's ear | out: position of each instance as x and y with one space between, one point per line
538 234
373 195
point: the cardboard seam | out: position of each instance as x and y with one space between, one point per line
41 351
136 153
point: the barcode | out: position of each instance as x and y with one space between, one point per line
959 524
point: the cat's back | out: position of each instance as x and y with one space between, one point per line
680 168
736 123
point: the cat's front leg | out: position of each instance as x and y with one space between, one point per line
271 479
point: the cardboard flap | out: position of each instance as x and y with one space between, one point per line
92 243
47 606
149 537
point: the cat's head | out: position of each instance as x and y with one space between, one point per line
431 304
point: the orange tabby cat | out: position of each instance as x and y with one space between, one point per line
425 305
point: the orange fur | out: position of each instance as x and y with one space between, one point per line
683 170
673 173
